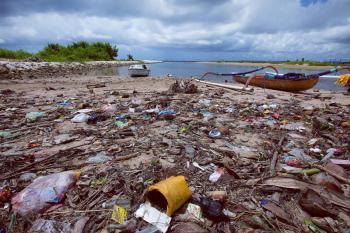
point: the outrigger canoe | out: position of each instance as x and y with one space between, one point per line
291 82
278 84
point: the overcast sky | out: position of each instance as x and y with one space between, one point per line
185 29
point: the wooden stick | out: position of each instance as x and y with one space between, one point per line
237 88
78 211
331 173
275 156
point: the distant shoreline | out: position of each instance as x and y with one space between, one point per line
288 66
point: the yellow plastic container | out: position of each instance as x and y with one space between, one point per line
169 194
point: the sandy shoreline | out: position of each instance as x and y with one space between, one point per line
146 145
304 67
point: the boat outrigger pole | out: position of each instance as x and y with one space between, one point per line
233 74
333 70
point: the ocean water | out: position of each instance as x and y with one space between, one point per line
186 70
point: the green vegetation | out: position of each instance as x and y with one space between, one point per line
130 57
78 51
18 54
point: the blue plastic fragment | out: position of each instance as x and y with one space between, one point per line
164 113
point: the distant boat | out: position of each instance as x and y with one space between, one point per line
139 70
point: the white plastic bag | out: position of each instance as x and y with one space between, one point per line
80 118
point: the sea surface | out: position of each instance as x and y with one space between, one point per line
186 70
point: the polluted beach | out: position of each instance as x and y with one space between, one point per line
97 138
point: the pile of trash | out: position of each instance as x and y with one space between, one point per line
190 159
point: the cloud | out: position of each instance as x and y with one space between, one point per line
200 29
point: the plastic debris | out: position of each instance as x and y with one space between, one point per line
212 209
205 102
195 164
120 124
298 126
215 133
27 177
65 103
4 134
33 116
49 226
118 214
153 216
228 110
44 192
99 158
215 176
169 194
80 118
194 211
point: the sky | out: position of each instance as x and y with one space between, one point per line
185 29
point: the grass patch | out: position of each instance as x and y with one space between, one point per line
18 54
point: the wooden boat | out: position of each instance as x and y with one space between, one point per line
292 82
278 84
138 70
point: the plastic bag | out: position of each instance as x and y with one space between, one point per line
44 192
82 117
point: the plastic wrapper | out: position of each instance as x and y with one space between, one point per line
44 192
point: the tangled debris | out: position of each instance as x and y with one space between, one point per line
252 165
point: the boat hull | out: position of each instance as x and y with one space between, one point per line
138 72
278 84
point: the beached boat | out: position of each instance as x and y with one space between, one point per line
278 84
292 82
139 70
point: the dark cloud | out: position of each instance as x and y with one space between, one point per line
315 28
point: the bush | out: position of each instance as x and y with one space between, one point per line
79 51
130 57
18 54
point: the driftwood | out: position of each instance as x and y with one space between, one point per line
275 156
232 87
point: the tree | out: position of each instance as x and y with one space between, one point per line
130 57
